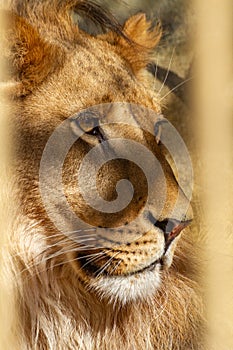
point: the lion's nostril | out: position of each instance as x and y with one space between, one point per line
170 227
173 229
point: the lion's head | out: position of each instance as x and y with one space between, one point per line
98 86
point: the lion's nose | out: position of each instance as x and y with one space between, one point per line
170 227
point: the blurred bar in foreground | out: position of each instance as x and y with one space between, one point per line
214 130
7 311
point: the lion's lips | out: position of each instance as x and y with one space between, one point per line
96 270
150 267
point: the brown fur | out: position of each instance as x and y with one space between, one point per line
59 70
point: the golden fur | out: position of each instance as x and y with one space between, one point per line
57 70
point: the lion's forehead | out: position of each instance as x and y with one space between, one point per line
90 77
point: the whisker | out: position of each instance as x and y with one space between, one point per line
51 256
103 268
63 241
89 255
168 69
69 233
49 268
176 87
68 241
97 258
116 266
49 246
62 263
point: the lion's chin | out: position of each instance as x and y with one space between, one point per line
125 289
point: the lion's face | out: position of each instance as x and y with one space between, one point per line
122 253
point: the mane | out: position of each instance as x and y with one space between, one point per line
58 12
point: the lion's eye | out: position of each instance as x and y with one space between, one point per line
87 124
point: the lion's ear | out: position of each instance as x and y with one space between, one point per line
29 58
141 32
142 40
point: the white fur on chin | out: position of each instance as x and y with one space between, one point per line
126 289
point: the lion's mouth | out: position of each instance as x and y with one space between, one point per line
150 267
96 271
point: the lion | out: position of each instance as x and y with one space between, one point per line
115 293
